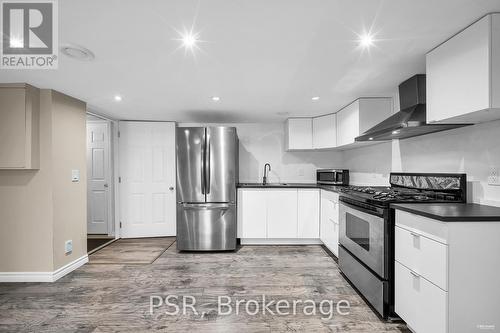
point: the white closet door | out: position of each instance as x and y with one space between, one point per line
147 171
99 178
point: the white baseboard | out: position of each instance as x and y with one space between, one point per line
43 276
280 241
70 267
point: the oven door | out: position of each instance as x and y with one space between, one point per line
362 232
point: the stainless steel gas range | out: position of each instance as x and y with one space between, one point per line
366 251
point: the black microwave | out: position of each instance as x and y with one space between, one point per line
332 176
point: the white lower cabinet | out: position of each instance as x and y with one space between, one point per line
423 255
278 214
446 274
420 303
307 212
252 209
329 221
281 213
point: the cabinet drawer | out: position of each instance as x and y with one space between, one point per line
420 303
422 255
427 227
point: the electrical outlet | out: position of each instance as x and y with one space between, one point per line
68 246
493 177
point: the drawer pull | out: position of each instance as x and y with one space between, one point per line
415 274
414 234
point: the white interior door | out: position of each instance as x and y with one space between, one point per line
99 176
147 171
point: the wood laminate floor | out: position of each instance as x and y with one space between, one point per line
116 298
132 251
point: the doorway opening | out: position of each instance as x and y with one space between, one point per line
100 183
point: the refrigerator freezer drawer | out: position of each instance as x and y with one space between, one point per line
206 227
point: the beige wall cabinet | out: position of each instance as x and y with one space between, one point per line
359 116
298 134
19 126
324 131
463 75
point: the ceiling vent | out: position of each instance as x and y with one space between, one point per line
77 52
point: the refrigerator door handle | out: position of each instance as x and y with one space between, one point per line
203 165
207 165
205 206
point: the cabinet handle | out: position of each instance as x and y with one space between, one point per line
415 274
414 234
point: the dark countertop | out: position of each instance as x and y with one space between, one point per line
333 188
452 212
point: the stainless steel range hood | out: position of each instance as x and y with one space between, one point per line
411 120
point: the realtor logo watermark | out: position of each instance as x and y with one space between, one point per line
174 305
29 32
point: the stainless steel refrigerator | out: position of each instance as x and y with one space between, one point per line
207 173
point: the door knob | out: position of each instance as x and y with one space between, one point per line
171 188
105 185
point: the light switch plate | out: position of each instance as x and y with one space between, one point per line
75 175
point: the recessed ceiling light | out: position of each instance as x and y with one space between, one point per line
366 40
395 132
118 98
370 138
77 52
189 40
215 98
315 98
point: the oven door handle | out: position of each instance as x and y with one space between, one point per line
364 210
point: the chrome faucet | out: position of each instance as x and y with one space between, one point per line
264 179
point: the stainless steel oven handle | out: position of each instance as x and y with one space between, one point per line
364 210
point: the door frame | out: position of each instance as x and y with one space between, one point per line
112 144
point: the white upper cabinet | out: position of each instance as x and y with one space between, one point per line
324 130
359 116
298 134
463 75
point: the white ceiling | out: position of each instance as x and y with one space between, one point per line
262 57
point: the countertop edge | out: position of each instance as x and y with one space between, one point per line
446 218
331 188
